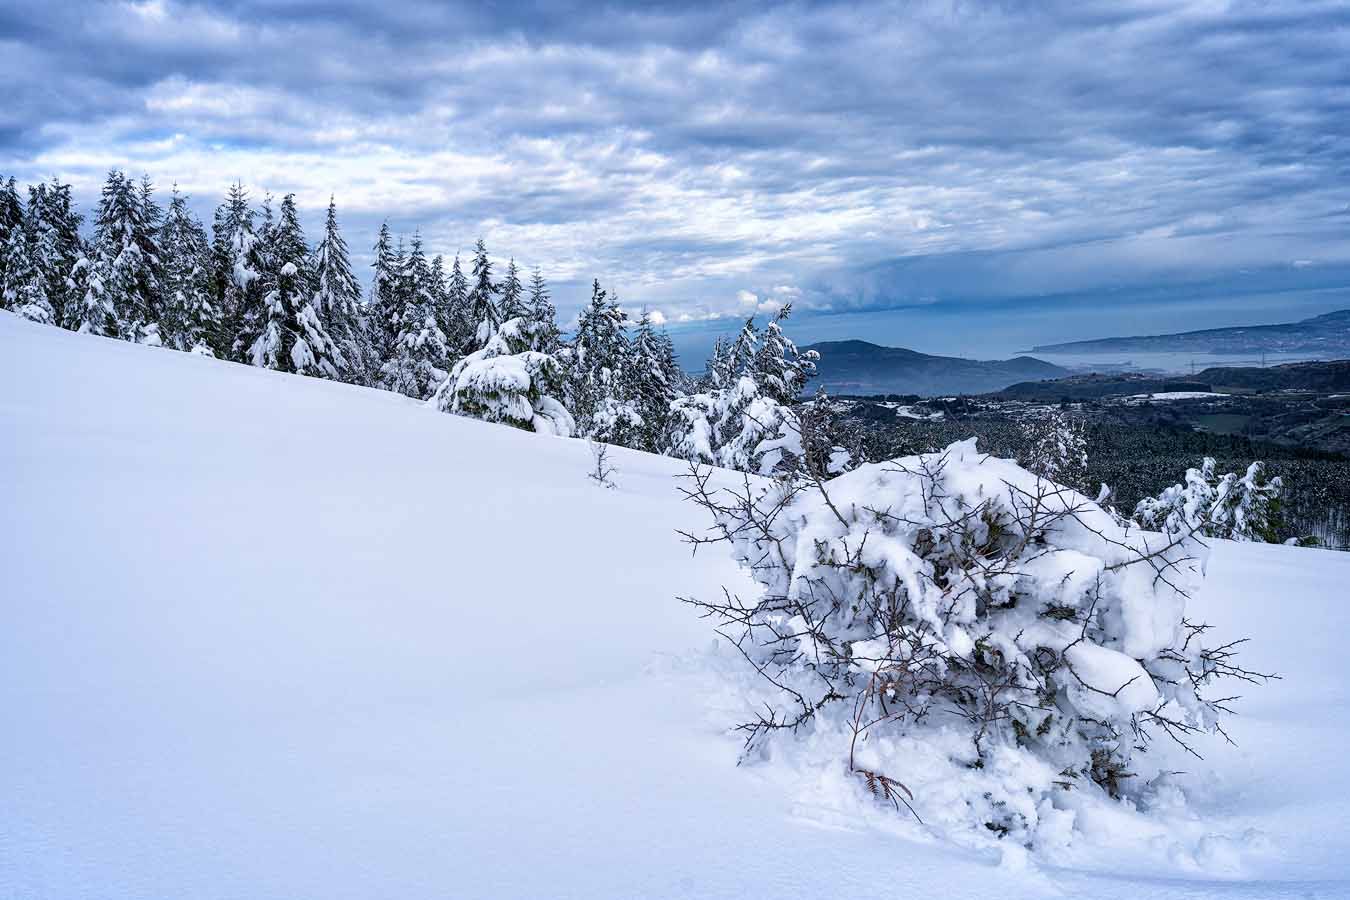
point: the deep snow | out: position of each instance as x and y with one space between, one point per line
266 636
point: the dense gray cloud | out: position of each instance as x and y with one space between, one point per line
709 160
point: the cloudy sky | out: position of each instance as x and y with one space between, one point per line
956 177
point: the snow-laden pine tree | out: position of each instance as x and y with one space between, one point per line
755 432
55 247
25 288
89 310
780 369
258 335
719 370
149 308
439 290
419 358
482 302
599 392
512 304
286 333
235 267
11 230
383 308
453 313
652 376
1237 508
539 309
1056 448
743 419
337 301
741 353
509 380
191 317
122 287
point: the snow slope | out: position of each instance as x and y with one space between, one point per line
272 637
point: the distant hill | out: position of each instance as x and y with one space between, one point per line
1323 377
1329 334
1096 386
1306 376
858 367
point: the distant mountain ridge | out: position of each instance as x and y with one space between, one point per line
1328 333
1303 376
859 367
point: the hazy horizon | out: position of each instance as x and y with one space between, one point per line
1013 331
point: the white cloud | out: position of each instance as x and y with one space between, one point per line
769 307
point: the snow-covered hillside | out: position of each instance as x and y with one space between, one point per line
273 637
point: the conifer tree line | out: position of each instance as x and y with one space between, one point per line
466 335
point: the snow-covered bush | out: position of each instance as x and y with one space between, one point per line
1239 508
508 382
957 623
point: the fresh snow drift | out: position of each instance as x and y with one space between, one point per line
273 637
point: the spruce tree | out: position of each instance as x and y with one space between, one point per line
383 306
26 285
652 384
740 355
148 310
453 315
674 375
191 318
337 301
53 229
121 290
11 230
235 268
439 292
419 357
287 334
483 309
719 370
780 369
509 381
743 418
267 221
513 293
259 340
540 309
599 392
